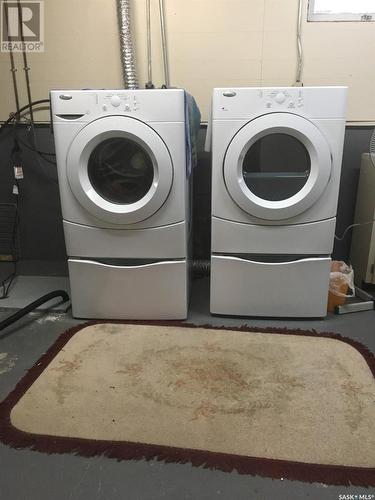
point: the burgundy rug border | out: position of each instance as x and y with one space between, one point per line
276 469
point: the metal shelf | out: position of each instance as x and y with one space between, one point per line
276 175
8 232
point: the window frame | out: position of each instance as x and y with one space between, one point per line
337 17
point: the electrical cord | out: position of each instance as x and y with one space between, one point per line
9 279
38 151
41 155
16 115
38 157
21 110
44 155
342 237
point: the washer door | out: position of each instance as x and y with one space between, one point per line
277 166
119 169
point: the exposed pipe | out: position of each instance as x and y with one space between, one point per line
25 66
299 44
12 65
149 84
126 45
164 43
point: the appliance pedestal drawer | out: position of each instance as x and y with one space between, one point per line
149 291
292 288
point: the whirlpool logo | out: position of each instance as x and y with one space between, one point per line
22 26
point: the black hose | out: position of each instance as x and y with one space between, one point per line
22 312
17 114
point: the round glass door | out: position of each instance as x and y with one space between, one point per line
120 170
276 167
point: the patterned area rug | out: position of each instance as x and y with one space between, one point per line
289 404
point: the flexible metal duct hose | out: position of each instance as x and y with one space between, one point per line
126 45
201 267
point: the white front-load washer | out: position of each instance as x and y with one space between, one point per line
124 168
276 163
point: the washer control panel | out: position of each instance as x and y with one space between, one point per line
148 105
120 102
115 100
281 98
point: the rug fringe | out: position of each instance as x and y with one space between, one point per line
275 469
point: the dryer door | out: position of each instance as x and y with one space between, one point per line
277 166
119 169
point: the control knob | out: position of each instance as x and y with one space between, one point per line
280 98
115 101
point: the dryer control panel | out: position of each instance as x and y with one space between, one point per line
282 98
250 102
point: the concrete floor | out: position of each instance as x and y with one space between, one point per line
27 475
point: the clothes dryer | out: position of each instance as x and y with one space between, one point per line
276 163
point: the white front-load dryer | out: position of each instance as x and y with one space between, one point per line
124 165
276 163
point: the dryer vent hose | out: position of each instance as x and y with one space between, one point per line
126 45
201 267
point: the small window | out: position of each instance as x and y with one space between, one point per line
341 10
276 167
120 170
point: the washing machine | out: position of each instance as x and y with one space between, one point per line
124 168
276 162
